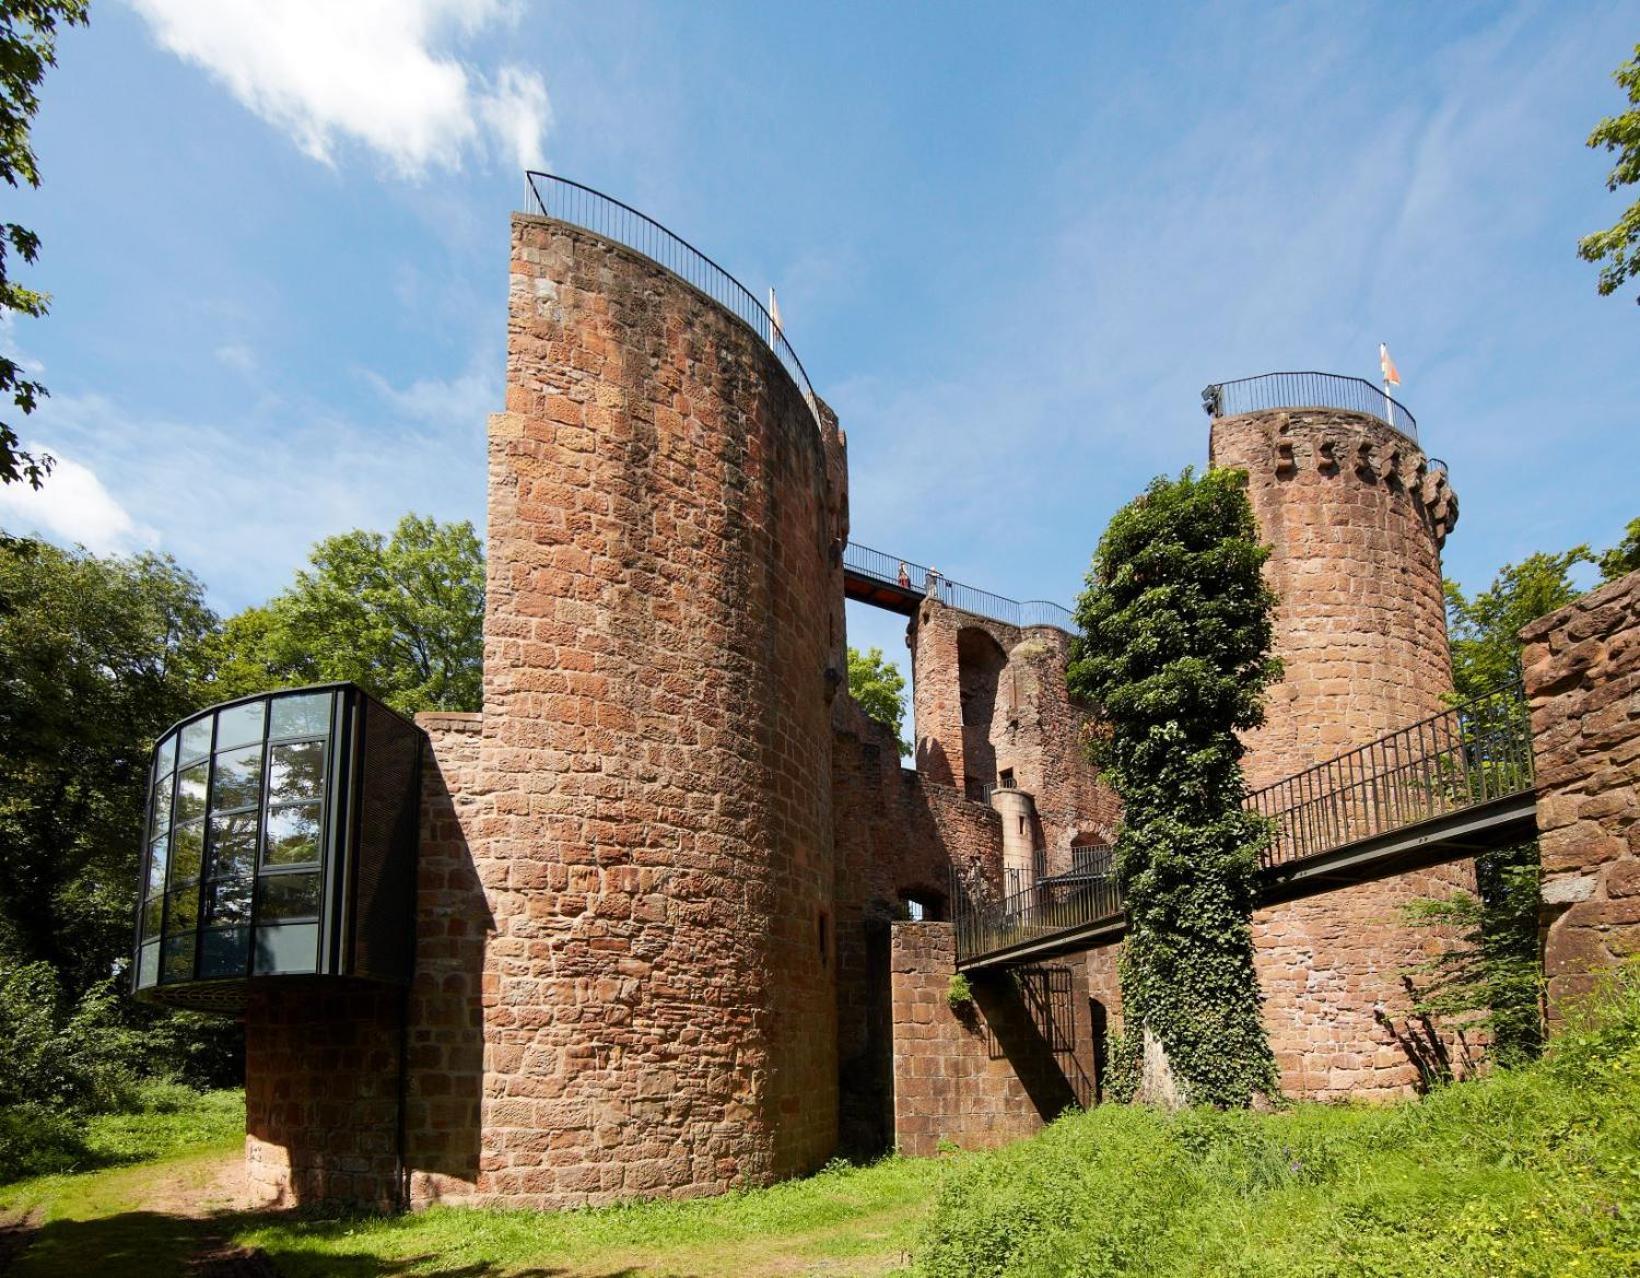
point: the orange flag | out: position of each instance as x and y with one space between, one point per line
1391 375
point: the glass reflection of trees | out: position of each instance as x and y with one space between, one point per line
236 820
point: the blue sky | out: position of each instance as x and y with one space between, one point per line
1011 244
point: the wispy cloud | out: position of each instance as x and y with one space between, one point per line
463 401
375 72
237 356
72 507
241 501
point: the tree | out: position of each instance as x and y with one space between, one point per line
98 656
1619 244
1175 652
28 45
402 616
1482 631
1624 557
879 687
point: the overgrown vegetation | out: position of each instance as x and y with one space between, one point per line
877 684
1175 651
28 46
1618 246
1532 1171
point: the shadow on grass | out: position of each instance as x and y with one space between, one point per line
144 1244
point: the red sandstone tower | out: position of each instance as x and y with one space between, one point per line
659 1003
1355 515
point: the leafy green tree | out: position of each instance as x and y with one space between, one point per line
1619 245
1482 631
879 687
28 45
403 616
98 656
1624 557
1175 651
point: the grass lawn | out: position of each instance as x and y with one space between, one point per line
1534 1171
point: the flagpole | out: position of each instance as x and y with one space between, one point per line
1389 404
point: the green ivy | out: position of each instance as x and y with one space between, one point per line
1176 629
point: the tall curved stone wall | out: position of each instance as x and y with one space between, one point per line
1356 518
659 1005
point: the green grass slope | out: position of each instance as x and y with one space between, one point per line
1527 1172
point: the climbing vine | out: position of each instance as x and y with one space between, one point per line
1176 629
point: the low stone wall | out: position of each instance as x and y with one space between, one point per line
1582 669
1018 1057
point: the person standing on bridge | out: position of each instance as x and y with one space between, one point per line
905 576
933 583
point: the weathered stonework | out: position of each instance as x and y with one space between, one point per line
1582 667
658 991
1355 518
979 1076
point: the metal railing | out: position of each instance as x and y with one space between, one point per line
567 201
1476 753
1060 904
1308 390
923 580
1468 755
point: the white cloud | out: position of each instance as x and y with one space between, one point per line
466 400
370 71
237 356
72 507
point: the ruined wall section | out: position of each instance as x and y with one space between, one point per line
1356 518
1582 667
992 1071
659 1002
1026 723
898 835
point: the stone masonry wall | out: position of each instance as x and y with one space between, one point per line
1356 518
897 836
979 1077
445 1089
658 992
1582 667
322 1080
1033 728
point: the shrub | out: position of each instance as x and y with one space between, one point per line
959 994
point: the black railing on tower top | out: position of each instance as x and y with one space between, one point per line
923 580
1308 390
567 201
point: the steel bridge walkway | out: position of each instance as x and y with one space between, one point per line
1443 789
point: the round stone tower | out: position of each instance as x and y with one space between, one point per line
659 999
1355 515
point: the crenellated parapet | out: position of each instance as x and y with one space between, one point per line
1351 446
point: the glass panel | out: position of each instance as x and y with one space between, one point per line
223 952
156 865
165 756
177 964
288 896
196 739
239 725
305 716
148 965
291 948
296 771
227 901
162 807
182 911
293 835
238 782
233 844
187 852
191 791
152 915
